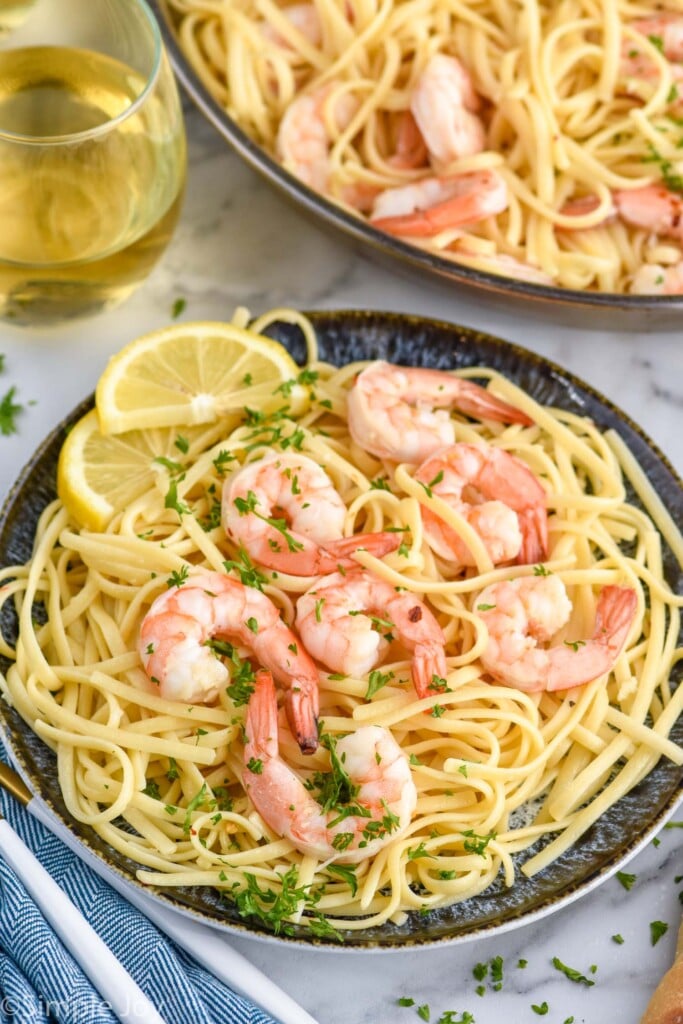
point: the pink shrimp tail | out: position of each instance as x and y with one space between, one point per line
476 401
261 723
613 617
575 666
533 522
429 669
333 554
301 705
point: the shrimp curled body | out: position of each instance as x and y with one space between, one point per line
174 636
444 104
498 496
377 767
520 614
295 493
402 413
344 622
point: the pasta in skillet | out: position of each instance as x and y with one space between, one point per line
538 140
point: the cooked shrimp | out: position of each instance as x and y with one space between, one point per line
652 279
379 782
304 18
444 104
411 150
174 638
432 205
653 208
400 412
666 26
347 623
285 511
498 496
520 614
303 139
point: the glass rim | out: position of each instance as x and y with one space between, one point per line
106 126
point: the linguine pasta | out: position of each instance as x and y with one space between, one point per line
577 102
497 770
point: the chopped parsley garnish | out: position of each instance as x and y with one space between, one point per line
270 906
248 573
485 607
628 881
571 972
172 772
178 307
173 467
447 876
252 624
522 963
376 680
463 770
657 929
182 444
318 609
347 872
575 644
222 461
423 1012
403 550
152 789
497 973
540 570
479 971
416 852
255 766
405 1001
475 843
172 501
380 484
540 1009
619 939
176 579
437 711
196 801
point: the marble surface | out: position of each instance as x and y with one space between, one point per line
240 243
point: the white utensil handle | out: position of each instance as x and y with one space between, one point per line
208 947
110 978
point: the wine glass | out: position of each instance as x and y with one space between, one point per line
92 156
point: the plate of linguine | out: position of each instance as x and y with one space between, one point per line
517 793
524 150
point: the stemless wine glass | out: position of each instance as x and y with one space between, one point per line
92 157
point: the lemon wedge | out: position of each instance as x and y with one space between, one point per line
195 373
98 475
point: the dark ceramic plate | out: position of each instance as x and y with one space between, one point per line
582 308
344 337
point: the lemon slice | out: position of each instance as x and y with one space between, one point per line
195 373
98 475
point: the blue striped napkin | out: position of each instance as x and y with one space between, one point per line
40 981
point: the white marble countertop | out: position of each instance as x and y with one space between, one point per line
239 243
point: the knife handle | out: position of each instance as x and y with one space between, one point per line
126 999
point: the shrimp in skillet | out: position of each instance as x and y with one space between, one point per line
175 633
347 623
285 511
401 412
498 496
378 771
653 279
522 614
432 205
444 104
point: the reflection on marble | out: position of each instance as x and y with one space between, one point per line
240 243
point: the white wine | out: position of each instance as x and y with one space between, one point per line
91 178
12 13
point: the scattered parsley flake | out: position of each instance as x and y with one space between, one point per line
178 307
423 1012
475 843
541 1009
571 972
628 881
9 410
540 570
657 929
463 770
405 1001
172 772
347 872
182 444
522 963
485 607
255 766
416 852
152 789
376 680
619 939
